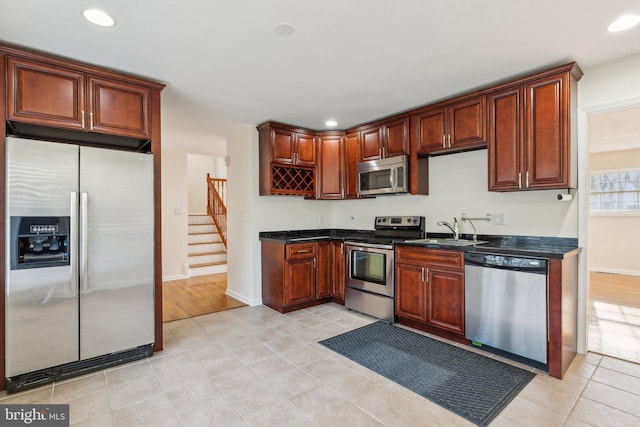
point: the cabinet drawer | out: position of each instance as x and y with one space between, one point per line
301 250
431 257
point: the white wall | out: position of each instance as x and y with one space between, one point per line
458 184
198 165
174 213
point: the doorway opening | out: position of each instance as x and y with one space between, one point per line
204 289
614 232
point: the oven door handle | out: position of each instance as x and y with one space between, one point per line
359 246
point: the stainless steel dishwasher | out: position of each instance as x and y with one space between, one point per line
506 303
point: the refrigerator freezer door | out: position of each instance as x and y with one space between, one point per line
116 297
41 304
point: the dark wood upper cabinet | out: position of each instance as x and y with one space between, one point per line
48 95
283 142
45 95
546 135
505 145
430 130
456 126
287 160
118 108
305 149
371 143
532 138
353 156
387 139
331 166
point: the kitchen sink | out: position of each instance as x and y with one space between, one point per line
450 242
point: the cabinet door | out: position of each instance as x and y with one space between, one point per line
118 108
352 158
430 130
396 141
305 149
467 126
338 263
299 281
330 167
371 143
505 139
282 145
45 95
445 301
547 140
323 269
411 292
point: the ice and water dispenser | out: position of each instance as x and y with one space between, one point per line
38 242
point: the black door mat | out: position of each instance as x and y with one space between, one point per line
471 385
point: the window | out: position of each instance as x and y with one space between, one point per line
615 192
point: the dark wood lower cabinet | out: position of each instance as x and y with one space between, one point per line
430 290
300 275
338 271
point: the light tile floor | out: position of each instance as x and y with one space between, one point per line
254 366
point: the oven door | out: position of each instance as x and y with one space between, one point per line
370 268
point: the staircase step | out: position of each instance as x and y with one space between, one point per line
200 220
206 253
206 238
202 228
207 264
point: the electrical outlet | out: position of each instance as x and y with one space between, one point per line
498 219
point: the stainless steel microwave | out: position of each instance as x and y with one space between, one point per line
383 176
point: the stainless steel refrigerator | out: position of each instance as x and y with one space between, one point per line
80 272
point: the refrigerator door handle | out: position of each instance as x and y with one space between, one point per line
84 238
73 249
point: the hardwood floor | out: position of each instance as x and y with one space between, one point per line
614 315
196 296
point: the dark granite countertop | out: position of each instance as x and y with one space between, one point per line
541 247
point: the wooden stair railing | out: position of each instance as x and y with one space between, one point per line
216 205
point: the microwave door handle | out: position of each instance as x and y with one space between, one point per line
392 179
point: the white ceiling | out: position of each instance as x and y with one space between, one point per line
350 60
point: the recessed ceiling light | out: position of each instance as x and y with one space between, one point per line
98 17
331 123
624 23
284 29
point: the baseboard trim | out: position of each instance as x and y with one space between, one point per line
242 298
614 271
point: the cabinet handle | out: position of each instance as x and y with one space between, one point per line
422 274
90 121
314 263
519 179
444 144
384 153
82 119
302 251
426 275
527 179
449 140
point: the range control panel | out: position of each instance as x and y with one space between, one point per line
416 223
407 221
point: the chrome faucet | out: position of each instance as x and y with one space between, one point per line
454 229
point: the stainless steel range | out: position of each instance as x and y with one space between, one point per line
370 284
